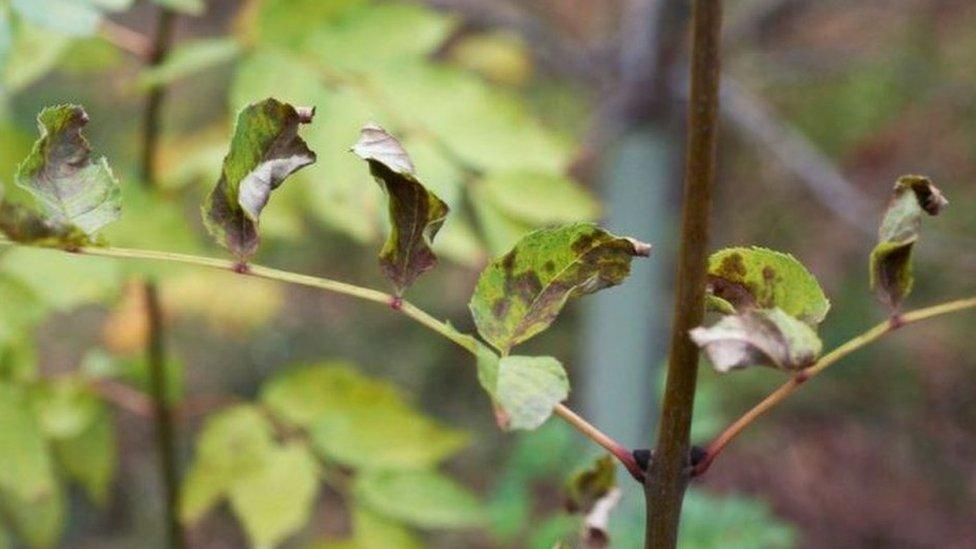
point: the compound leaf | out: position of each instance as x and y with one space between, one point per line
264 151
891 260
757 278
416 214
759 337
521 293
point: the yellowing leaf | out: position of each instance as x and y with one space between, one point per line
265 150
539 198
767 337
421 498
416 214
522 293
757 278
891 260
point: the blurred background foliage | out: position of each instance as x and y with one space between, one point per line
504 108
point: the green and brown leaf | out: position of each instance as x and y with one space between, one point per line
768 337
265 150
741 279
75 195
522 293
891 260
416 214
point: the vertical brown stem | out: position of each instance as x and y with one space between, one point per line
669 470
156 350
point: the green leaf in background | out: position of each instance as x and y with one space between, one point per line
90 458
25 464
767 337
539 198
21 309
416 214
34 51
289 23
64 407
232 445
360 422
62 282
37 521
190 57
748 278
425 499
589 485
265 150
891 260
275 500
370 531
522 293
189 7
71 17
710 521
526 388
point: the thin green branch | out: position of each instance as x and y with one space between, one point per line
732 431
408 309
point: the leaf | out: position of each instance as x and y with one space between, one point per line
416 214
72 17
37 521
749 278
232 445
891 259
522 293
539 198
76 196
767 337
189 7
25 465
34 51
275 500
188 58
526 388
264 151
62 281
90 457
373 532
64 407
359 422
425 499
589 485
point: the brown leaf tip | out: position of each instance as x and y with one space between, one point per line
641 249
305 114
929 197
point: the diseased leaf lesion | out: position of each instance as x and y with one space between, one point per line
757 337
75 195
416 214
522 293
914 196
265 150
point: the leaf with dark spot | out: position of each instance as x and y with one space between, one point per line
416 214
75 195
768 337
891 259
740 279
265 150
522 293
593 493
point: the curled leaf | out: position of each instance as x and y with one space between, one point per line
75 195
759 338
740 279
589 485
416 214
265 150
891 259
521 293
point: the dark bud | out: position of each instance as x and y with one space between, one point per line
696 455
643 458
